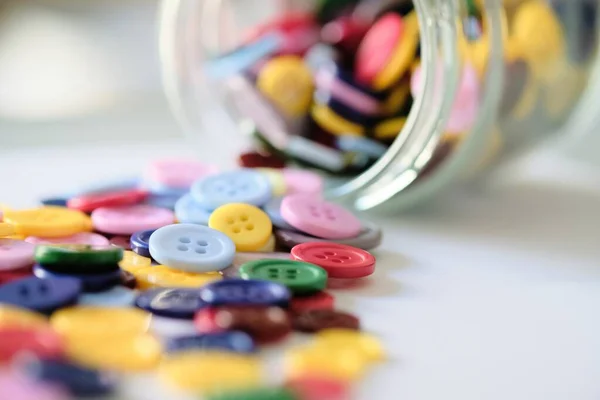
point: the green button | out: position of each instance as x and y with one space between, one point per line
298 276
256 394
77 255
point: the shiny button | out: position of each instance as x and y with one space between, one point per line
126 220
340 261
100 322
367 345
39 342
245 292
171 302
241 186
42 295
188 211
235 341
299 277
248 226
17 317
48 221
318 320
15 254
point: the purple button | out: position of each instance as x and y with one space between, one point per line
180 303
89 282
139 242
43 295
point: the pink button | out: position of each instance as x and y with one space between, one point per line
92 239
16 387
129 219
320 218
300 181
15 254
179 173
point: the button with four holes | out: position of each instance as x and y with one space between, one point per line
299 277
319 218
193 248
43 295
248 226
340 261
241 186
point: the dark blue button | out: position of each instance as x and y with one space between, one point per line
54 201
43 295
77 380
239 342
89 282
180 303
139 242
245 292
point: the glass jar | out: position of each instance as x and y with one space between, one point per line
489 79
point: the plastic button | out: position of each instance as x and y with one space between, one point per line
345 339
48 221
88 203
132 261
127 220
340 261
89 282
82 258
193 248
245 292
299 277
116 297
318 320
317 301
17 317
100 322
83 238
368 238
313 387
171 302
43 295
188 211
40 342
179 173
15 254
247 226
238 342
241 186
139 242
163 276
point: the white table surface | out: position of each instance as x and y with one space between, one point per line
488 294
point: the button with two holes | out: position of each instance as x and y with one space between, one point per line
42 295
192 248
248 226
299 277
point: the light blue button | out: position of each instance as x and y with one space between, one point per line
192 248
361 145
190 212
162 200
162 189
273 210
240 186
118 296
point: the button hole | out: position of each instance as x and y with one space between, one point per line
250 227
236 230
202 243
200 251
184 240
182 248
244 218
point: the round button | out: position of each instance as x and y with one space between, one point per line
14 275
48 221
163 276
121 241
317 301
241 186
345 365
89 202
302 181
275 177
7 229
17 317
254 159
89 282
139 242
85 238
245 292
193 248
248 226
41 342
43 295
126 220
299 277
101 322
188 211
319 218
15 254
174 303
80 258
313 387
367 345
132 261
340 261
179 173
368 238
116 297
273 210
318 320
16 386
235 341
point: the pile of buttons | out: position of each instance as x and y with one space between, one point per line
103 284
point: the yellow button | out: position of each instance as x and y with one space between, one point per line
287 82
248 226
6 229
269 246
108 323
48 221
16 317
390 128
343 364
123 353
4 208
163 276
210 371
403 57
132 261
333 123
397 98
276 179
368 345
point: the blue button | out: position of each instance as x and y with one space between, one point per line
240 186
43 295
236 341
361 145
89 282
139 242
193 248
54 201
245 292
273 210
187 210
79 381
109 186
160 188
180 303
162 200
118 296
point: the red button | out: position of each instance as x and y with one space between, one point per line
345 32
319 301
319 388
339 260
43 343
255 159
88 203
9 276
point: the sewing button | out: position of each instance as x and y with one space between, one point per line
340 261
171 302
276 179
89 282
100 322
318 320
163 276
315 387
368 238
179 173
132 261
254 159
245 292
241 186
89 202
80 258
192 248
43 295
18 317
319 218
368 147
242 258
54 201
14 275
127 220
333 123
263 324
118 296
84 238
188 211
302 181
267 393
299 277
15 254
347 339
48 221
16 386
247 226
6 229
139 242
317 301
121 241
343 365
273 210
39 342
235 341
